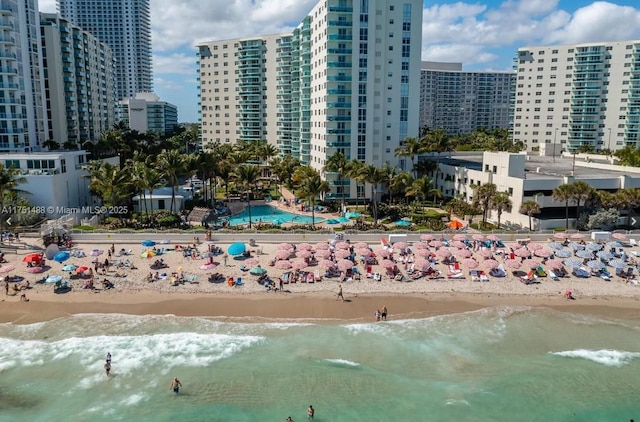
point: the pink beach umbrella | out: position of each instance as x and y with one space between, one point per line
535 246
383 252
554 263
251 262
303 254
427 237
493 238
485 253
478 237
322 246
463 253
436 243
470 263
443 253
531 263
361 245
96 252
620 236
420 245
342 253
577 236
561 235
284 247
323 253
345 264
364 252
35 270
542 253
513 245
422 264
400 245
522 252
513 263
304 247
327 263
343 245
283 265
283 254
423 252
207 266
7 269
299 265
387 263
490 264
458 244
460 237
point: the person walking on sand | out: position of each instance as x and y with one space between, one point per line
176 385
340 296
383 314
310 412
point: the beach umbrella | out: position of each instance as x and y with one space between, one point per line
585 254
595 264
69 267
35 270
283 254
577 236
257 271
148 243
619 236
617 263
303 254
251 262
299 265
32 257
342 253
534 246
460 237
490 264
614 244
443 253
485 253
96 252
420 245
361 245
149 253
513 263
427 237
573 263
383 252
53 279
364 252
343 245
207 266
81 269
423 252
304 246
591 246
564 253
436 243
422 264
284 247
493 238
323 253
237 248
531 263
322 246
345 264
283 265
470 263
604 255
555 245
455 224
61 256
458 244
575 246
387 263
478 237
400 245
554 263
561 235
7 268
327 263
463 253
522 252
542 253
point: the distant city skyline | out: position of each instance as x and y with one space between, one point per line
483 36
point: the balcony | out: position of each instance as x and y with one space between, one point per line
339 91
342 65
340 23
338 145
7 40
339 78
6 23
340 9
9 86
9 70
339 51
338 131
338 37
338 105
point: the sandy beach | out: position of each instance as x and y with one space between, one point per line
133 294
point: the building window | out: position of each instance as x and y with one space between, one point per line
63 166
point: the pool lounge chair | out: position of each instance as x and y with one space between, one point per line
474 275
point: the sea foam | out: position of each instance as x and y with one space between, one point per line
613 358
343 362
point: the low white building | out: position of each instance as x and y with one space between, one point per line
527 177
160 200
55 181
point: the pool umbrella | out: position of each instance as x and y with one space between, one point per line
251 262
299 265
69 267
577 236
595 264
619 236
387 263
322 246
462 253
573 263
485 253
303 254
493 238
458 244
148 243
282 254
53 279
427 237
534 246
443 253
257 271
96 252
345 264
542 253
283 265
400 245
455 224
460 237
584 254
478 237
604 255
32 257
343 245
81 269
327 263
61 256
284 246
7 268
149 253
513 263
561 235
564 253
207 266
323 253
237 248
554 263
593 246
490 264
555 245
470 263
402 223
617 263
304 246
531 263
522 252
35 270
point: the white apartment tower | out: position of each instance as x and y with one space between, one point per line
125 26
22 123
80 91
579 95
339 83
460 102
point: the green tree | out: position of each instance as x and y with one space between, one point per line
580 191
410 147
10 179
563 193
373 176
311 187
500 203
629 156
172 165
338 163
247 175
108 182
529 207
483 197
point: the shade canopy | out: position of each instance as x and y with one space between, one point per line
237 248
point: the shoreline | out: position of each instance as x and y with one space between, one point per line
315 307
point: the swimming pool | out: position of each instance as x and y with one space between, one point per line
269 214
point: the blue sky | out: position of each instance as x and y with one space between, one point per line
480 34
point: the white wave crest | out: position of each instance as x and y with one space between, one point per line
343 362
614 358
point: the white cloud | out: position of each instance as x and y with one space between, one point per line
179 63
48 6
168 84
459 53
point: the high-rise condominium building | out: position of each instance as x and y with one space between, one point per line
80 91
339 83
460 102
125 26
578 95
146 113
22 122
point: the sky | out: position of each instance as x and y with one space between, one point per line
483 35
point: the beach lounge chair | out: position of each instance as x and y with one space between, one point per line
581 273
553 275
474 275
540 272
633 242
530 278
483 276
457 275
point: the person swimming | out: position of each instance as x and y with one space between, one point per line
176 385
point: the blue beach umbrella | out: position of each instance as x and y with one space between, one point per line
237 248
614 244
585 254
53 279
573 263
604 254
576 246
593 246
617 263
148 243
69 267
595 264
564 253
555 245
61 256
257 271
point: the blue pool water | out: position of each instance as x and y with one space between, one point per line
269 214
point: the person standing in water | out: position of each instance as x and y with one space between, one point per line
383 315
107 368
310 412
109 357
176 385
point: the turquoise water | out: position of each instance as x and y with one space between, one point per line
269 214
491 365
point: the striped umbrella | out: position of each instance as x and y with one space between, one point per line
345 264
470 263
573 262
564 253
423 252
604 255
460 237
304 246
554 263
303 253
420 245
322 246
591 246
490 264
283 254
585 254
617 263
284 246
543 253
360 245
443 253
534 246
327 263
383 252
458 244
323 253
619 236
531 263
595 264
400 245
342 253
614 244
576 246
436 243
427 237
299 265
577 236
283 265
342 245
364 252
387 263
422 264
513 263
485 253
522 252
251 262
463 253
555 245
560 235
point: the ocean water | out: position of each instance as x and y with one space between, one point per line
500 364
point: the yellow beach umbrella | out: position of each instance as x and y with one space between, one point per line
149 253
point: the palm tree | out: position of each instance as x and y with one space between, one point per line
580 191
483 197
420 189
562 193
354 171
529 207
311 186
172 166
374 176
10 179
500 203
338 164
410 147
437 141
629 199
247 175
108 182
390 176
